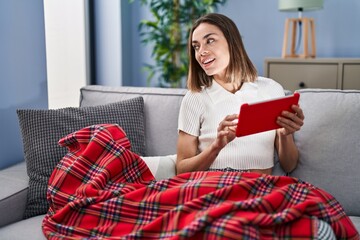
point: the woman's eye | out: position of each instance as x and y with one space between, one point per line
210 40
196 47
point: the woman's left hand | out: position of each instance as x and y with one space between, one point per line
291 121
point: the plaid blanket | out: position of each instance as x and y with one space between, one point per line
101 190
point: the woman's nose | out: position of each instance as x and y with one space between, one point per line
204 52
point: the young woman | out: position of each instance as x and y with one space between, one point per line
222 77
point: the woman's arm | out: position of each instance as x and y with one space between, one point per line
287 151
188 157
284 141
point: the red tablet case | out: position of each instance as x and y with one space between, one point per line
261 116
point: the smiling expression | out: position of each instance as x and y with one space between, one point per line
211 50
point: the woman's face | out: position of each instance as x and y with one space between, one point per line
211 50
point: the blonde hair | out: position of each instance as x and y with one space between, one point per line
240 68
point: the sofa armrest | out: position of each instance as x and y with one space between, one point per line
13 193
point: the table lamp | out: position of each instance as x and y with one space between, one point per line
306 27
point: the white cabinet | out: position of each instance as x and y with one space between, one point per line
329 73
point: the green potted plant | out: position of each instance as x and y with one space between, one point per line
168 32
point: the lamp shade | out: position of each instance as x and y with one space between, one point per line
300 5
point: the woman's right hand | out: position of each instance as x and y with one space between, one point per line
188 158
226 131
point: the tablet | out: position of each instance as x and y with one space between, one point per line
261 116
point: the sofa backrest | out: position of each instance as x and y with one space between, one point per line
329 144
161 109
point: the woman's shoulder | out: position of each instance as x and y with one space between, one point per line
193 102
264 82
270 85
193 98
194 95
268 82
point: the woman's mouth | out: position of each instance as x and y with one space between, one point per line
208 61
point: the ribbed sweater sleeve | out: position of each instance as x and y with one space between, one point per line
191 114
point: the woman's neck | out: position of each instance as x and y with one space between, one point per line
229 86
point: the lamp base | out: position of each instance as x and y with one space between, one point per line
308 28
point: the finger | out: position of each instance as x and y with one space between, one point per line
289 124
231 117
232 128
228 122
294 117
223 130
221 134
298 112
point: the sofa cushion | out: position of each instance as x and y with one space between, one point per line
42 129
161 107
24 230
329 144
13 193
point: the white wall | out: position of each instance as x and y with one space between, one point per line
261 25
108 41
22 71
66 51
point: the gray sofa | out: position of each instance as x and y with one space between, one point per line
329 145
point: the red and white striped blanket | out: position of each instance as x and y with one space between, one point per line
102 190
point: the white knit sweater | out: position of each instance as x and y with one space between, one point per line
201 113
